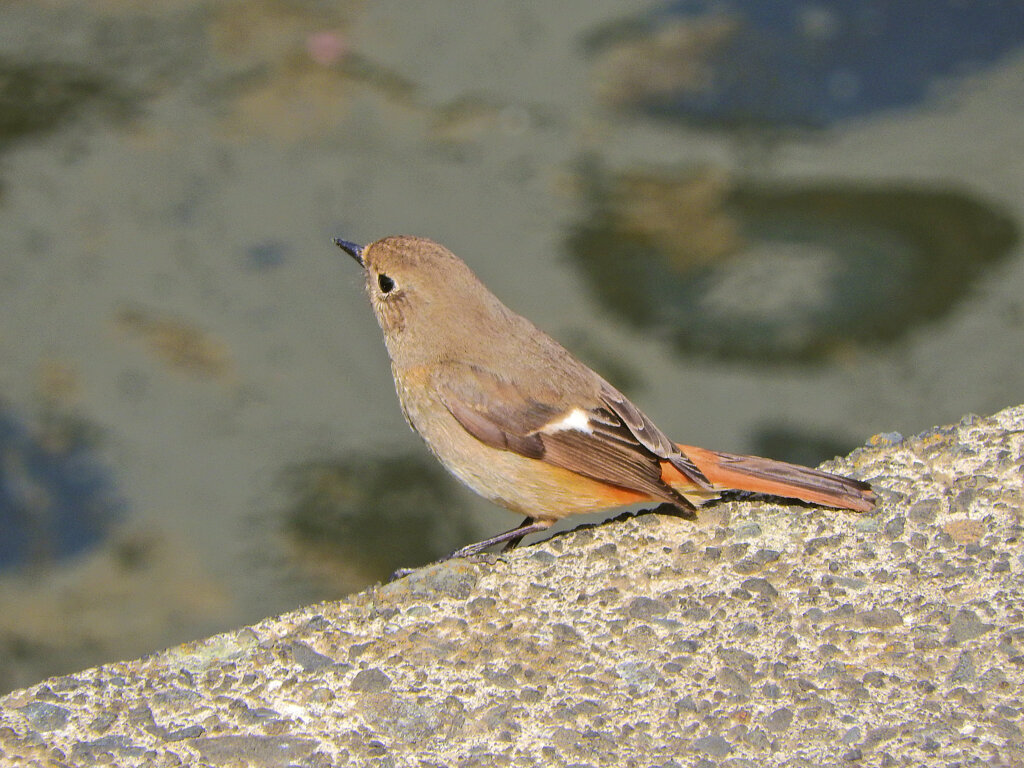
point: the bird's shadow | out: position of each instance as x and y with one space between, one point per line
671 510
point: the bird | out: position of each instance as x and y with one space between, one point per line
517 418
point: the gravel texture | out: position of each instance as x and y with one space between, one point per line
760 634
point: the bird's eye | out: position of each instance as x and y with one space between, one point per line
386 283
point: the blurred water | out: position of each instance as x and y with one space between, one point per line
750 64
56 497
171 176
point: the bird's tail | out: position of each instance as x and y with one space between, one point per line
728 471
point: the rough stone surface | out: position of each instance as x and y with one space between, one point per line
760 634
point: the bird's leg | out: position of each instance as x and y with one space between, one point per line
514 542
510 538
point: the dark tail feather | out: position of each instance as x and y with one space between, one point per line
778 478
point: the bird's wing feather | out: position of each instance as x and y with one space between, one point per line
648 435
592 438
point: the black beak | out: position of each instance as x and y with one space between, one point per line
353 250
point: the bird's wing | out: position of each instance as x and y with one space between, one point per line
605 438
648 435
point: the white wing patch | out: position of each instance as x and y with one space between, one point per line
576 419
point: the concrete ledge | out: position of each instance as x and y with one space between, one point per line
761 634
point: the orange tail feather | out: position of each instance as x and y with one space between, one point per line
728 471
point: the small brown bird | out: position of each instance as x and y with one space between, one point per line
513 415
